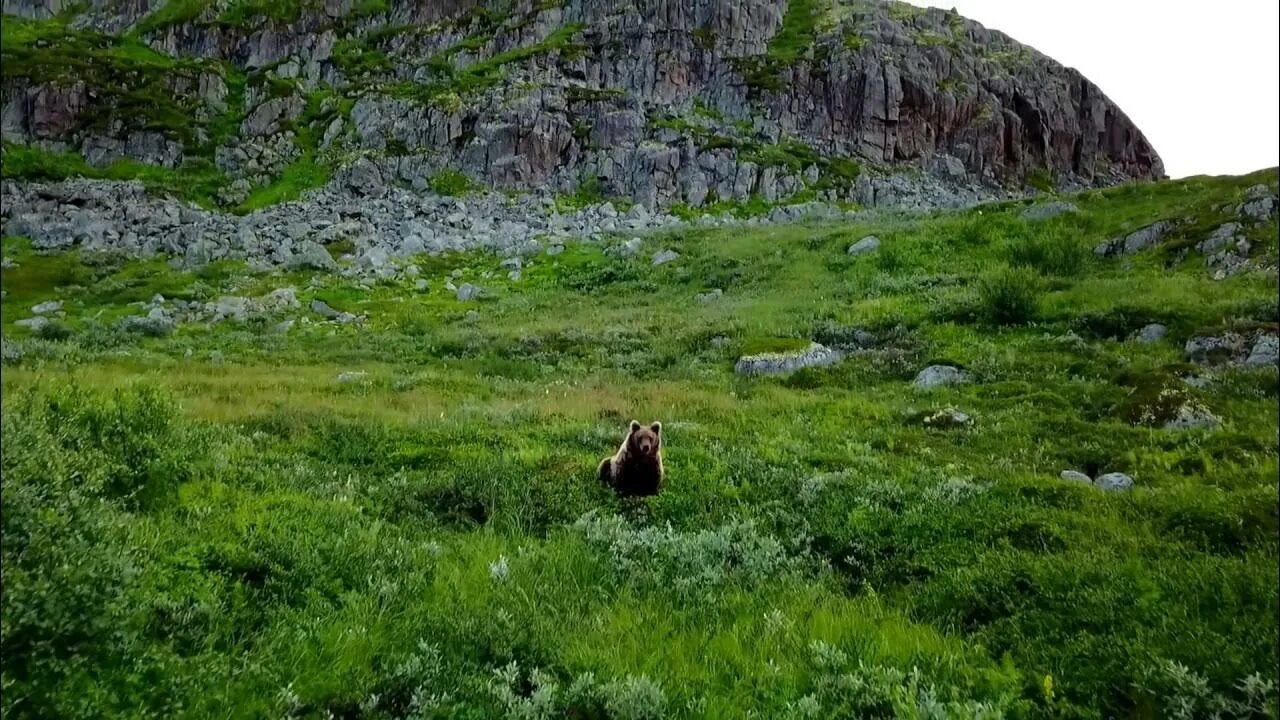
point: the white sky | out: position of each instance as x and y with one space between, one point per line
1198 78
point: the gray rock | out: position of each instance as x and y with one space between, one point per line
867 244
364 178
554 250
1257 191
282 327
947 418
630 247
157 323
1226 235
420 285
310 255
375 258
34 324
1265 351
780 363
663 257
1152 333
1113 482
467 292
1049 210
280 300
1076 477
232 307
1136 241
1258 209
1203 349
10 352
48 307
938 375
322 309
1191 417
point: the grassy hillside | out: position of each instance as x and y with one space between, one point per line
213 524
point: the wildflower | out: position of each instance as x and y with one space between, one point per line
498 570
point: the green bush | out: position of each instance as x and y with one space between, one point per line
126 442
1049 253
450 182
1010 296
54 330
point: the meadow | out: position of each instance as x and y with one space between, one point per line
399 518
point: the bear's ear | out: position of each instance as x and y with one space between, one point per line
656 428
635 425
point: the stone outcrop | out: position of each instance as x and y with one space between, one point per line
657 101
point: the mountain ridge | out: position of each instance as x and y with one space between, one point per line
661 103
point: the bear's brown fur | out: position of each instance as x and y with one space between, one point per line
636 469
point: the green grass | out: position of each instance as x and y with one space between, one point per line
197 180
250 537
301 175
453 83
172 12
450 182
130 81
1041 179
799 27
241 13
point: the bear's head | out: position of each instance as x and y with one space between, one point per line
645 441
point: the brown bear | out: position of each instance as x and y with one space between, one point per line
636 469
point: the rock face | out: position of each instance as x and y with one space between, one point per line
781 363
1136 241
657 101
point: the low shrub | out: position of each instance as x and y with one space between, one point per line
1010 296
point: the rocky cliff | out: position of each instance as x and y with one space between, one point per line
661 102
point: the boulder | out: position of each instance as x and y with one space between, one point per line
1075 476
938 375
663 257
1114 482
1152 333
866 245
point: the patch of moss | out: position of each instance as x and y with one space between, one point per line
173 12
704 38
1041 179
450 182
129 82
460 82
304 174
355 58
798 31
240 13
197 180
1156 398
